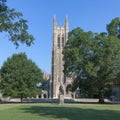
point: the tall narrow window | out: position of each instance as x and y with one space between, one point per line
58 42
62 41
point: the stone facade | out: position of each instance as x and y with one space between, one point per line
60 36
116 93
46 92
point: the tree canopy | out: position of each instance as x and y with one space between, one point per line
93 59
12 23
20 76
114 28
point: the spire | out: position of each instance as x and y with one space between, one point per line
54 21
66 22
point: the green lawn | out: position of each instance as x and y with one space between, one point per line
59 112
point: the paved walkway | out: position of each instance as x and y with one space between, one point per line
67 100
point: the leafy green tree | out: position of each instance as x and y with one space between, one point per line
113 28
20 77
92 59
12 23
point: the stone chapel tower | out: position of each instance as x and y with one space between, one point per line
60 36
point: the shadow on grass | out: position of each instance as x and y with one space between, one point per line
72 113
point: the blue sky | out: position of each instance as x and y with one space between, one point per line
88 14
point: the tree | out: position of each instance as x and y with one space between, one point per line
113 28
12 23
20 76
92 59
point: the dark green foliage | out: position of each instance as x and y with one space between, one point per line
12 23
93 59
20 77
114 28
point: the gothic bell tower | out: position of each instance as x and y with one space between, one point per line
60 36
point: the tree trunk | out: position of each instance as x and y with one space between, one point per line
101 96
21 98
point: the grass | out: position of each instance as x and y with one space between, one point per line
59 112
